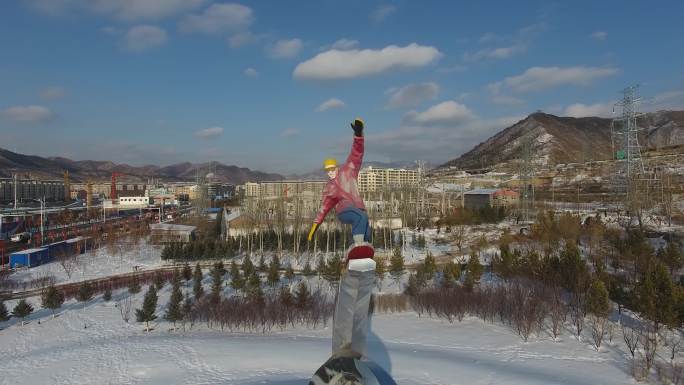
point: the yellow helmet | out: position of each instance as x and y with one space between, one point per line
329 163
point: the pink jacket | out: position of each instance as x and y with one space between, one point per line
342 192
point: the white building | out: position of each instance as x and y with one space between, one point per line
375 179
134 201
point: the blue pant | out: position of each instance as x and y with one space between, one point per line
359 221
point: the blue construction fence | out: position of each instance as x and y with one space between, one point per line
48 253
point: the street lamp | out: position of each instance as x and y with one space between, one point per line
42 210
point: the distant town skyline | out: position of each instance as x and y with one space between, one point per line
273 85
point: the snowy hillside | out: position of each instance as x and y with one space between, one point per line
415 350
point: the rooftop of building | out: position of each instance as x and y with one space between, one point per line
171 227
29 251
481 191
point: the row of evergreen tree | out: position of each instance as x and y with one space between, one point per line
214 247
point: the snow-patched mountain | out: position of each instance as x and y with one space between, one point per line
555 139
11 162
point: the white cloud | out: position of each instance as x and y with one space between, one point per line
286 48
219 18
445 113
143 37
506 46
496 53
599 35
343 44
241 39
382 12
209 133
336 64
435 143
289 132
488 37
27 114
579 110
251 72
506 100
330 104
668 100
52 93
119 9
541 78
412 95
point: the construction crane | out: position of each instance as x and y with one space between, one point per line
89 195
67 186
112 194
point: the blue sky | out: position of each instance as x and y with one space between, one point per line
272 85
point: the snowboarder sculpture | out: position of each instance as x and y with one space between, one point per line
351 322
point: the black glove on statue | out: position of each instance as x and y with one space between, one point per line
357 126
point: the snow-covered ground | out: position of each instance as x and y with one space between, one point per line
99 263
415 350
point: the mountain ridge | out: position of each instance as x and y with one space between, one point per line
556 139
81 170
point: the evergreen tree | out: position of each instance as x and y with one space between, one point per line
197 289
429 265
107 295
257 295
218 225
174 312
22 310
52 299
253 282
4 315
656 296
247 266
573 270
187 272
166 253
469 282
147 313
397 264
412 287
333 270
320 266
134 286
475 268
302 296
673 256
216 282
262 265
307 271
85 292
380 269
598 303
504 264
273 277
455 269
420 276
447 281
234 270
158 280
289 273
286 297
187 307
237 282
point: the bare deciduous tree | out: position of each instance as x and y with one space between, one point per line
125 307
